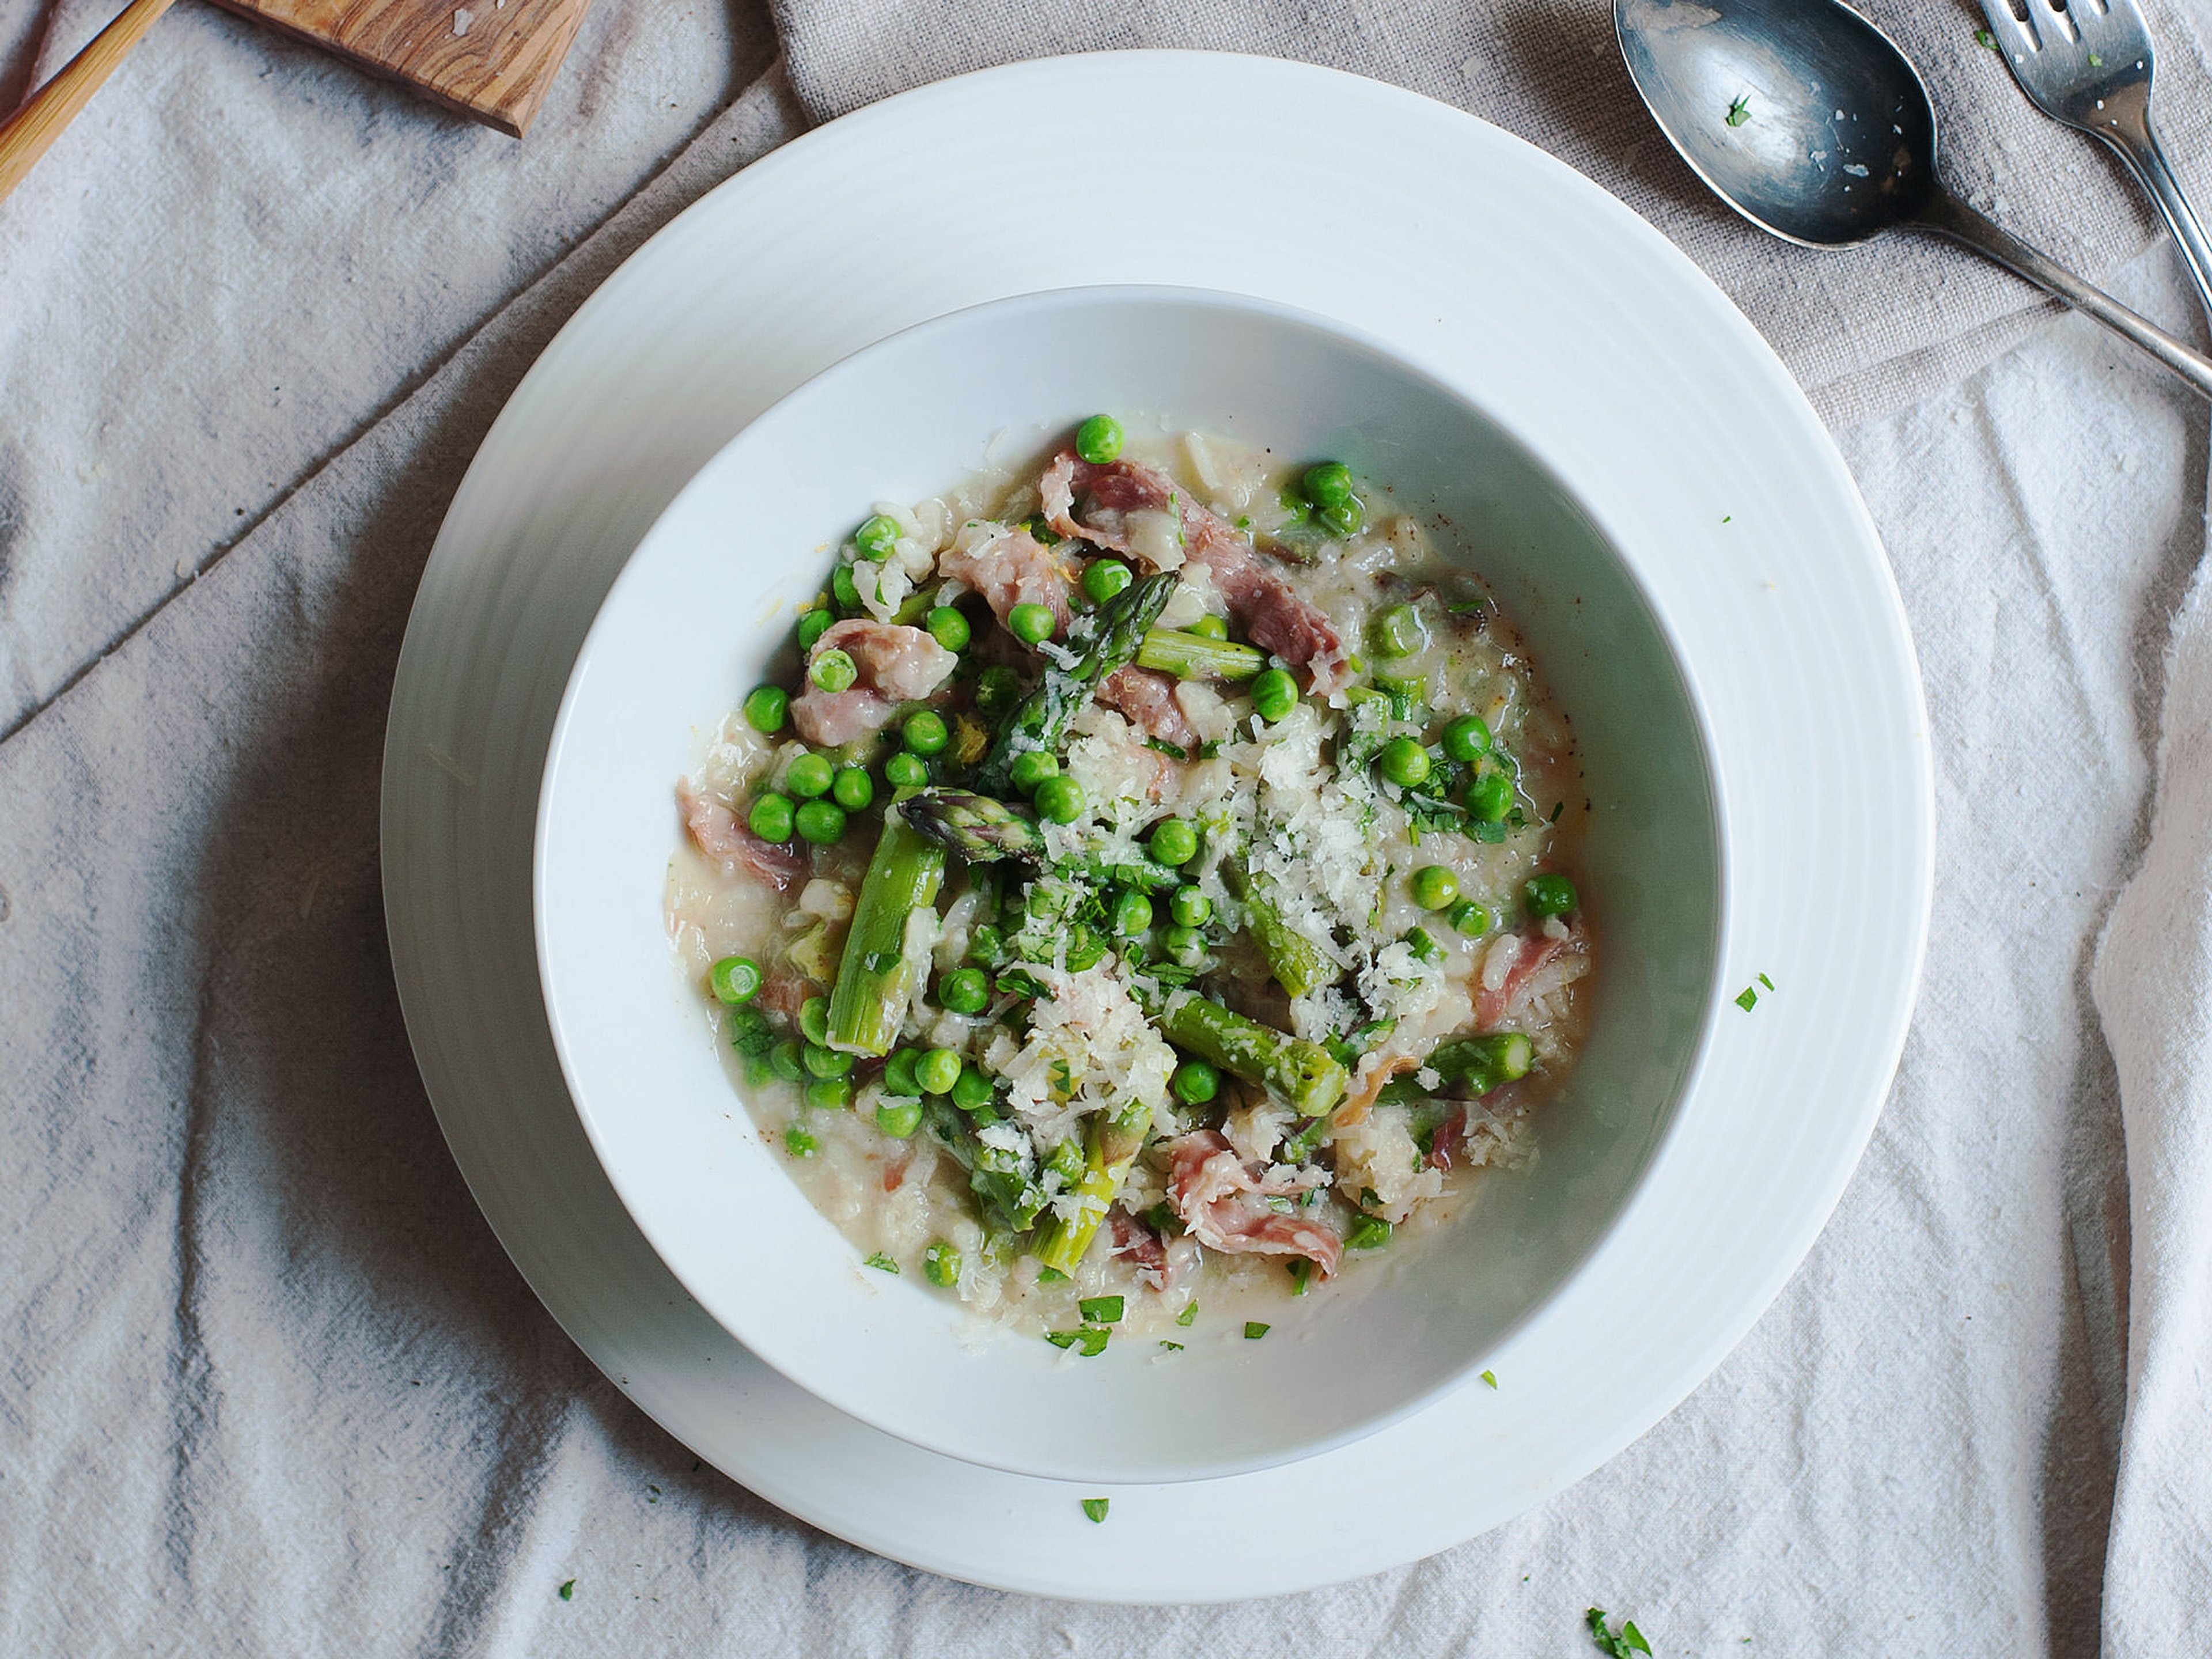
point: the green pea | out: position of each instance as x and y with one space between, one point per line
814 1021
949 628
965 991
821 822
734 979
1188 907
1550 895
972 1091
1098 440
925 732
1194 1083
1211 628
1404 763
808 775
937 1070
770 819
1343 519
1327 484
787 1059
1435 886
852 788
828 1094
1032 766
1173 842
799 1143
1490 798
905 771
898 1071
812 626
1471 919
878 536
1067 1160
1185 947
1396 631
1274 694
940 1265
843 593
767 708
899 1119
827 1063
1032 624
997 688
832 671
1103 578
1133 914
1060 799
1467 739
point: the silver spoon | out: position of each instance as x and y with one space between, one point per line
1807 120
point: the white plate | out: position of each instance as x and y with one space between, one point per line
1504 269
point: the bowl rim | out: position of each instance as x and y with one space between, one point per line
1718 847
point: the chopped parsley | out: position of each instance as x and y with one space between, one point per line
652 1494
1490 1378
750 1033
1101 1310
1172 1347
1301 1276
1983 38
567 1590
1253 1330
1767 982
1188 1314
799 1143
1726 517
881 1263
1740 111
1090 1342
1629 1640
1466 608
1369 1232
1558 807
1172 750
1748 999
1050 1276
2096 62
1095 1508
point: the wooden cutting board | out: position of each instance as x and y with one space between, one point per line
491 59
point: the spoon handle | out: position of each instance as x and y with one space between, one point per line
1945 213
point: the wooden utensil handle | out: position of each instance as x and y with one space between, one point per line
25 135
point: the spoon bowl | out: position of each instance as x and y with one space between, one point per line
1807 119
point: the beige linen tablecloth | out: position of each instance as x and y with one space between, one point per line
269 1385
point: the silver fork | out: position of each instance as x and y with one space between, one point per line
2087 63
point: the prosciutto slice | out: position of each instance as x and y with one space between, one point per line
1258 592
1517 969
1163 1264
715 831
1012 568
1148 698
898 665
1224 1202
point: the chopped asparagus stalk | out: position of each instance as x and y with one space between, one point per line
1098 643
1194 656
1295 960
1304 1074
875 981
1008 1198
1112 1147
1484 1062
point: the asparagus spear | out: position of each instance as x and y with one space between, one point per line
1112 1145
984 830
1484 1062
1194 656
875 982
1305 1074
1294 959
1008 1198
1098 643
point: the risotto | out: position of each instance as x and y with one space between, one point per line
1147 884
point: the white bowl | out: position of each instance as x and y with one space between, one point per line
706 600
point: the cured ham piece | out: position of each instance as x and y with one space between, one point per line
1449 1135
1148 698
898 664
1163 1264
1517 969
1225 1204
1010 569
715 831
1256 590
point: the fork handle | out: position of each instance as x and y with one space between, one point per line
1946 214
2138 146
